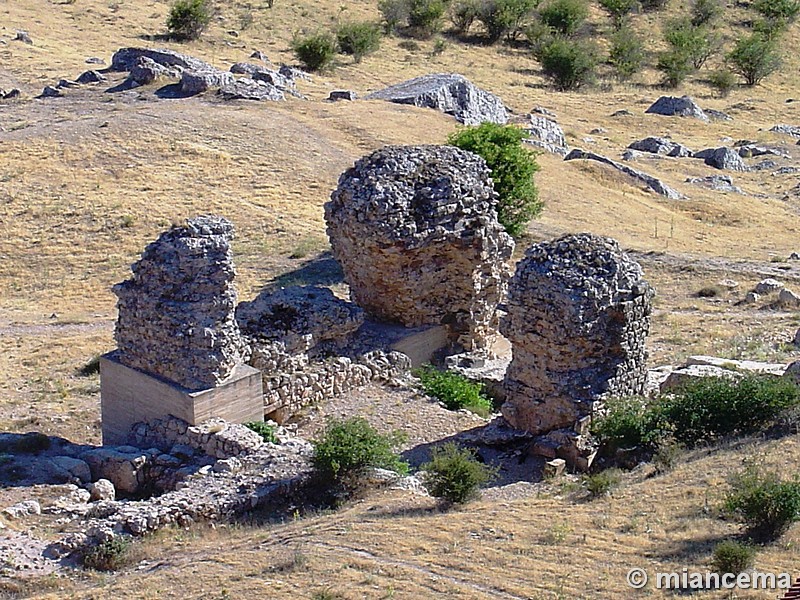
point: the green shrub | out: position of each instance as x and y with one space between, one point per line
348 447
564 16
675 66
463 14
718 406
316 51
188 19
653 5
505 17
110 555
358 39
732 557
723 81
395 13
539 36
426 15
619 10
754 57
763 502
265 430
778 10
512 168
666 455
454 391
601 483
569 64
697 44
630 422
455 474
626 54
706 12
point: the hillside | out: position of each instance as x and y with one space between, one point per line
87 180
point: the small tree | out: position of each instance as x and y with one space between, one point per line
505 17
706 12
395 13
618 10
754 58
778 10
512 168
564 16
359 39
454 474
463 14
723 81
426 15
316 51
733 557
676 67
653 5
626 55
188 19
569 64
697 44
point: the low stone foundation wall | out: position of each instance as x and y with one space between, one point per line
215 438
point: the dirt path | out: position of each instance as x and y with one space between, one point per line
47 329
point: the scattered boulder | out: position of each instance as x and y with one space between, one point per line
124 59
91 77
23 509
76 468
688 374
259 55
125 467
415 229
145 71
740 366
622 113
336 95
546 134
450 93
578 314
66 83
293 73
659 145
541 110
23 36
788 299
50 92
793 372
752 150
95 60
681 107
718 183
176 314
764 165
722 158
197 82
10 94
767 286
717 115
791 130
751 298
102 489
787 171
249 89
651 182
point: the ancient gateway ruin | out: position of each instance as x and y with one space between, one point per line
428 268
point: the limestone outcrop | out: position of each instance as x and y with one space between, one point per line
578 315
416 233
176 314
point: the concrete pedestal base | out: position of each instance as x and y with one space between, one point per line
129 396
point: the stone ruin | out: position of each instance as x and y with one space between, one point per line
415 230
176 314
578 315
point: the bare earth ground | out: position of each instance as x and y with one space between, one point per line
87 180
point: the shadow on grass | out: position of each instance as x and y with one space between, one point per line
322 270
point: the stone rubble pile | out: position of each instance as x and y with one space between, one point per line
176 314
416 233
545 133
578 315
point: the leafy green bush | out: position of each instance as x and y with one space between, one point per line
358 38
505 17
348 447
426 15
569 64
626 54
463 14
630 422
619 10
732 557
717 406
564 16
265 430
188 19
676 67
723 81
696 43
763 502
754 57
110 555
653 5
601 483
454 391
395 13
706 12
316 51
455 474
512 168
778 10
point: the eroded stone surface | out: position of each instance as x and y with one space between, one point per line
674 106
578 315
416 233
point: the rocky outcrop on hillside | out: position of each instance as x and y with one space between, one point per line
416 232
722 158
660 145
450 93
545 133
176 314
680 107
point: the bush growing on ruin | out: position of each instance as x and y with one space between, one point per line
188 19
454 391
764 502
315 51
347 448
512 168
359 39
630 422
265 430
455 474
